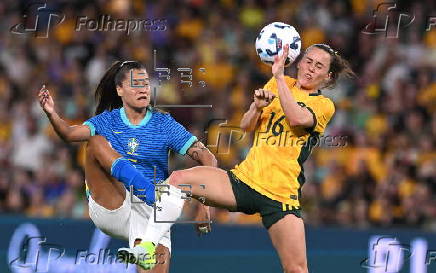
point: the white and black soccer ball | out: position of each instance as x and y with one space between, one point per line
272 39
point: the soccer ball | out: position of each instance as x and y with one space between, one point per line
273 37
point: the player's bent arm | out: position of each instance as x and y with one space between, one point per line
295 114
202 155
74 133
250 120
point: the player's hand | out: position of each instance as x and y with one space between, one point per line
278 68
203 216
46 100
263 98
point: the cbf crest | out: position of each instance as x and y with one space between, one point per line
133 146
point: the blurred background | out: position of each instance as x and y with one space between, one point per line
201 52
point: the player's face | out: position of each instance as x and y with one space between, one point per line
313 69
135 90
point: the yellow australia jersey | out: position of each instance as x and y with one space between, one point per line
273 166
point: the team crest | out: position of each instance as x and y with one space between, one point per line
133 146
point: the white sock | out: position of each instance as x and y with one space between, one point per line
167 211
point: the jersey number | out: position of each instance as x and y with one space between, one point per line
277 127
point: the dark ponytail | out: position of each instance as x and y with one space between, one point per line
106 94
338 65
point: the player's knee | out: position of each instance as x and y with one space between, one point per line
177 177
95 143
295 268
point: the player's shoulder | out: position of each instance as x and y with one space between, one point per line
107 115
325 102
271 85
290 81
161 117
115 111
159 114
157 111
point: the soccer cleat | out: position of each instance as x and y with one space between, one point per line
142 254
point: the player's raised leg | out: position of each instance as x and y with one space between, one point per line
210 183
108 205
207 184
106 191
288 238
118 167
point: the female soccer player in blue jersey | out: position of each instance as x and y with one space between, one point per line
128 144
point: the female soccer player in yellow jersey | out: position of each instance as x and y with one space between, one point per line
287 115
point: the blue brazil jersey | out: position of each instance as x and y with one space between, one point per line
147 144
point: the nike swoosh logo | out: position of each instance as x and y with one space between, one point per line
117 132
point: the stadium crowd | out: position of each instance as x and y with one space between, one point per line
382 174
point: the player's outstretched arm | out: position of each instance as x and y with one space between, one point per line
261 99
68 133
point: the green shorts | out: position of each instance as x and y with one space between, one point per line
250 201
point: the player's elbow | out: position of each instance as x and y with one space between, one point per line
295 121
303 120
67 136
75 134
245 126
